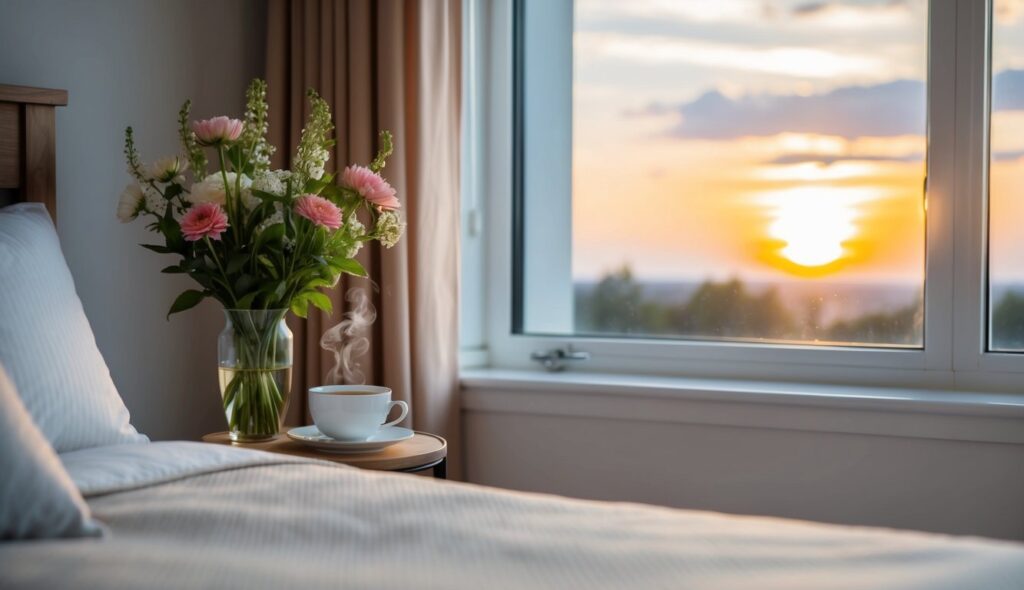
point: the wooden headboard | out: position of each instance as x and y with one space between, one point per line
28 145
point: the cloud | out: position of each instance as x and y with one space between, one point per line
893 108
718 11
880 110
808 8
1008 156
803 62
821 6
828 160
846 14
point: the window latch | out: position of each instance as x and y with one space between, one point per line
557 359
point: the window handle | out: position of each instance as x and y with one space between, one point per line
556 359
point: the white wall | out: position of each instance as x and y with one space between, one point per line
134 62
932 471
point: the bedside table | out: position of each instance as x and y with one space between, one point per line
421 452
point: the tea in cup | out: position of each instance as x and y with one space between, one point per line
353 412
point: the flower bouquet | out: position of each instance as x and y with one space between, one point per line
259 241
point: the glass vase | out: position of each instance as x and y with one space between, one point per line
254 353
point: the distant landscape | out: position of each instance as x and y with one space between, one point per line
880 314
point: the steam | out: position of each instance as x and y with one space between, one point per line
347 340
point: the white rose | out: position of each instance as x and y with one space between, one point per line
211 188
207 191
130 203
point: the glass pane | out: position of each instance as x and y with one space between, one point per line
1006 179
747 169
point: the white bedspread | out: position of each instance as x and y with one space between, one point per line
269 522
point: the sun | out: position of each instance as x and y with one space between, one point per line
813 231
810 226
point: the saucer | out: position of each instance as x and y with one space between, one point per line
385 437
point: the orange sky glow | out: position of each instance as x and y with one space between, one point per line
706 145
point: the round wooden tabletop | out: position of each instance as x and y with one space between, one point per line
421 450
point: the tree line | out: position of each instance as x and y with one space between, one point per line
731 309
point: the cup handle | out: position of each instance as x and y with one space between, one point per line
405 412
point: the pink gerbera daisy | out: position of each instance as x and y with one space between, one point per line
371 186
318 210
205 220
217 130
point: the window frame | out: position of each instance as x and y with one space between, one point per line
954 352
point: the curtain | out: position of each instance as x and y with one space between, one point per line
387 64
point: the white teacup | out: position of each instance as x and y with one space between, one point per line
353 412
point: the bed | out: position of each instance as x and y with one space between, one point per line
191 515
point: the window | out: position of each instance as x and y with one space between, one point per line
740 170
773 189
1006 180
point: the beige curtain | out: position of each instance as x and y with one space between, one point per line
387 64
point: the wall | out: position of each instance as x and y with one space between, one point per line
944 469
133 63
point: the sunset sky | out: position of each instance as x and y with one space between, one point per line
769 139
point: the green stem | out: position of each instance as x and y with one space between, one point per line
238 196
296 255
224 178
216 260
253 399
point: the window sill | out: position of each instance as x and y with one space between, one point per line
903 412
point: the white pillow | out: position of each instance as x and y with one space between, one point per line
46 342
37 498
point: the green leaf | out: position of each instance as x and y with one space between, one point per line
314 185
186 300
320 301
350 266
173 270
236 263
299 306
272 234
208 264
175 240
333 192
289 221
246 302
268 264
244 283
329 272
319 239
202 279
274 291
234 154
158 249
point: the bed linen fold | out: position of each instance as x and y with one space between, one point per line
264 524
105 470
